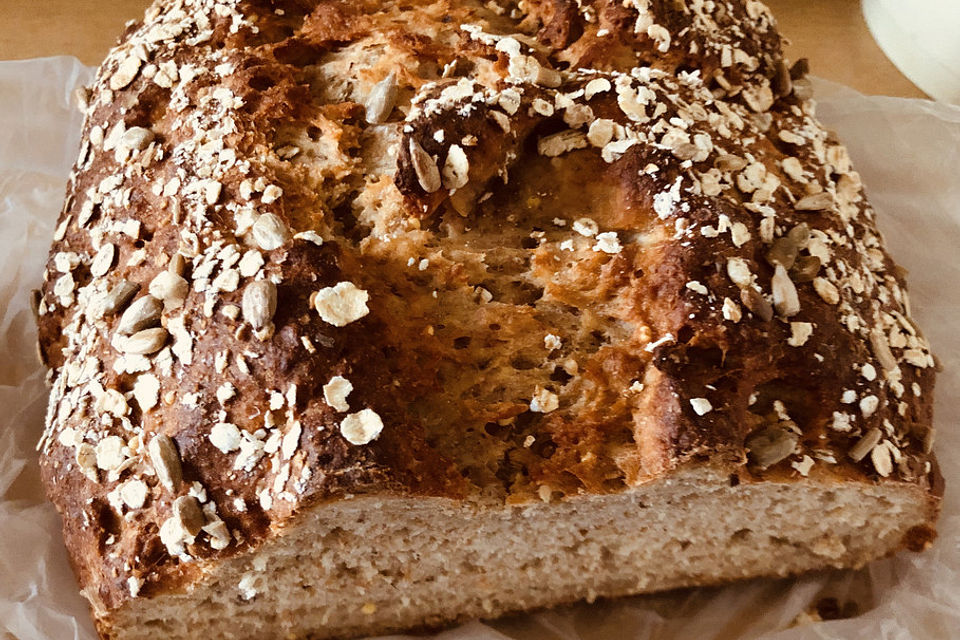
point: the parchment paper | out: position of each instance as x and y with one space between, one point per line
908 152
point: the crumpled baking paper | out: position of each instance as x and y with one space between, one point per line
908 152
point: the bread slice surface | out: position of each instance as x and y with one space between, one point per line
372 565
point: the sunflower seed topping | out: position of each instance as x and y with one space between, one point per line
188 512
785 299
826 290
769 446
456 168
117 297
381 99
142 314
738 270
805 269
783 252
881 349
259 303
866 444
103 260
137 138
882 457
730 163
143 342
428 175
755 302
166 461
816 202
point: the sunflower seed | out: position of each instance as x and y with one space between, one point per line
428 175
103 260
785 298
805 269
881 349
595 86
381 99
799 235
928 439
211 192
755 302
270 232
601 132
288 152
802 88
738 270
544 400
142 314
118 296
728 162
456 169
759 98
771 445
799 69
860 450
762 121
869 405
815 202
685 151
188 512
701 406
177 264
166 461
826 290
782 84
882 457
259 303
137 138
219 534
783 251
731 310
144 342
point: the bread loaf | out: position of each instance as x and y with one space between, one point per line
368 315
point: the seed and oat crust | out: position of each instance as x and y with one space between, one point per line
500 251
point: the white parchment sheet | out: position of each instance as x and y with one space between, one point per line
908 152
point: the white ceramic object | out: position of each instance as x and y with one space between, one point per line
922 38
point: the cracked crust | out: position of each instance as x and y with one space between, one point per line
579 246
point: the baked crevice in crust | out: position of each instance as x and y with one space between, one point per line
490 254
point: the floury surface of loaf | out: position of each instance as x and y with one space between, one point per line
502 254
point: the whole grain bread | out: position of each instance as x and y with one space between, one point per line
366 315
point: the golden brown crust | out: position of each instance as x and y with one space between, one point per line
547 267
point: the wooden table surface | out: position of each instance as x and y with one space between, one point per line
831 33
